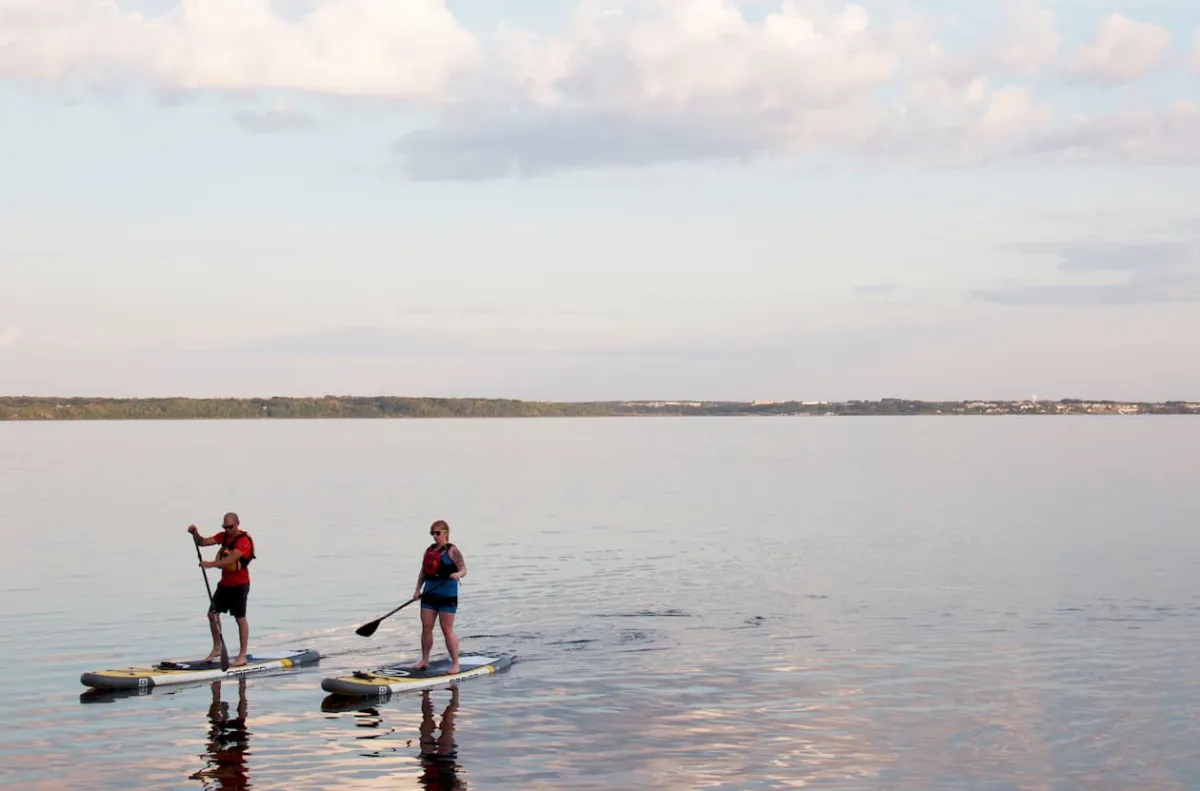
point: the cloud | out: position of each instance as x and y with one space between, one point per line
403 49
625 83
1032 39
1148 136
278 117
1154 271
9 337
699 52
1123 50
1100 256
696 80
548 141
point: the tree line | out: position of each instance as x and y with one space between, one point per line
326 407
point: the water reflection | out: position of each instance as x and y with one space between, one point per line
439 751
228 743
436 746
94 695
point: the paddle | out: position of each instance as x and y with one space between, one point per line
368 629
207 587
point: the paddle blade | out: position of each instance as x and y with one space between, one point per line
368 629
224 657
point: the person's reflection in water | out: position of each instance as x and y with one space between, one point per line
228 743
439 753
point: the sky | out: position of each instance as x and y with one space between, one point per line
607 199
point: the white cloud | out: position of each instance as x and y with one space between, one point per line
1010 113
1032 40
1122 50
632 83
393 48
627 82
1171 135
695 52
1153 270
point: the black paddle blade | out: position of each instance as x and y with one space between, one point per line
224 656
368 629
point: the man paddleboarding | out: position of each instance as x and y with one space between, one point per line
437 588
237 550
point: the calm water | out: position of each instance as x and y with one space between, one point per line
858 603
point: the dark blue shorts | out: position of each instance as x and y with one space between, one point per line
431 601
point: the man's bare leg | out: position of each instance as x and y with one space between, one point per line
244 639
214 623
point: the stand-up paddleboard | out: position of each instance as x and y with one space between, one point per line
402 678
165 673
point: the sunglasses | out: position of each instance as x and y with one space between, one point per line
436 532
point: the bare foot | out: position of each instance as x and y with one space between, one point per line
453 670
212 657
237 661
420 665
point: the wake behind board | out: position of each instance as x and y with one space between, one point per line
402 678
166 673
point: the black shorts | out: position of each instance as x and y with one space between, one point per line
231 600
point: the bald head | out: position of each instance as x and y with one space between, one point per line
231 520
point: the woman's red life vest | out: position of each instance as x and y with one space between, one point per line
432 565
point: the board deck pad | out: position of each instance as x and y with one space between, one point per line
401 676
169 672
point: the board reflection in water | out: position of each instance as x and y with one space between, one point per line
228 743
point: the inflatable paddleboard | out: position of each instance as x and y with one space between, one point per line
402 678
166 673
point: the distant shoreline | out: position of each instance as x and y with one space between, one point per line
395 407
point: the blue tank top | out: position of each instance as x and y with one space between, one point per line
442 587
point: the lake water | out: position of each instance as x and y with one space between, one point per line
745 603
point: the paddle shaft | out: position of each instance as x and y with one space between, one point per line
368 629
203 571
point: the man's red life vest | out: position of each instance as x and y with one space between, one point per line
227 546
238 573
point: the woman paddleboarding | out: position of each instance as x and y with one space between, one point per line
437 587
